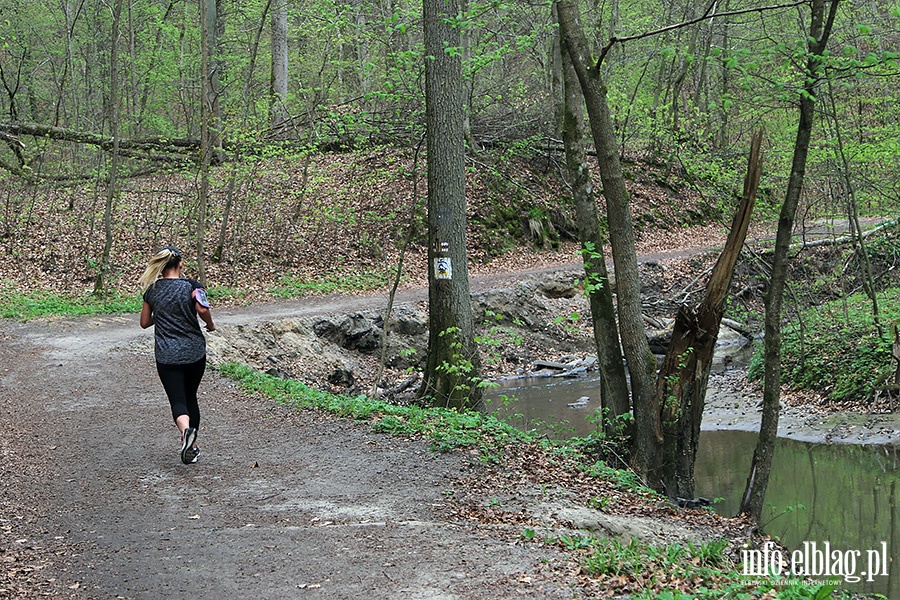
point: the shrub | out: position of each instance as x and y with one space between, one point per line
835 349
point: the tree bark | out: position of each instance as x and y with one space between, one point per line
856 232
211 25
641 362
180 145
760 468
279 65
453 366
615 398
682 380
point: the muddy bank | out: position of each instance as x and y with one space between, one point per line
731 404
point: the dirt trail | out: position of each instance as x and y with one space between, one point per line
95 503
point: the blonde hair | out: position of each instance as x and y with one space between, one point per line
166 258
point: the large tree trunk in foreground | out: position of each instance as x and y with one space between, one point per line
453 366
641 362
681 384
758 479
614 384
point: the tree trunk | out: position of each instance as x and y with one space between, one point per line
758 479
411 232
469 85
453 365
207 48
725 89
278 109
641 362
226 215
614 384
210 25
856 231
682 380
112 182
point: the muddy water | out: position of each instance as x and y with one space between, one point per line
532 402
846 495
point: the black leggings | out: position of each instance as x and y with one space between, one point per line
181 383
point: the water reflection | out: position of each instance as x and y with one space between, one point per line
849 494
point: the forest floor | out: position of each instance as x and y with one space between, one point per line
282 504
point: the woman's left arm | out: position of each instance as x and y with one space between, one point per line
146 316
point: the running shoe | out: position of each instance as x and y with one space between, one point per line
188 451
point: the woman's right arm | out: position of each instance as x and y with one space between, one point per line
204 313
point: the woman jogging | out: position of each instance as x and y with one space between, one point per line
172 304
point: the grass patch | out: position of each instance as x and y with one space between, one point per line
835 349
225 294
24 306
291 287
446 428
21 306
676 572
626 480
695 571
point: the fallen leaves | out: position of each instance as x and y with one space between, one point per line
527 476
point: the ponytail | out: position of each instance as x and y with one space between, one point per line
167 257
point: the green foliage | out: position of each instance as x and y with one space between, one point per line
624 479
573 542
569 322
36 304
496 337
841 352
446 428
612 557
711 554
222 294
609 441
592 282
459 370
598 503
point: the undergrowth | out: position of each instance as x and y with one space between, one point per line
836 349
289 286
646 570
24 306
694 571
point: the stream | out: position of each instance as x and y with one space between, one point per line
843 494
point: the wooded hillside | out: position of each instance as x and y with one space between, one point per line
102 117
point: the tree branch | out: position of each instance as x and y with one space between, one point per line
706 15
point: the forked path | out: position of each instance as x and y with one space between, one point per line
282 504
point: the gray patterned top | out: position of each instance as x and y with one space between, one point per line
179 339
